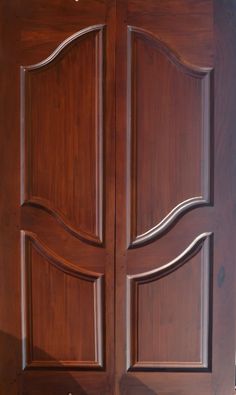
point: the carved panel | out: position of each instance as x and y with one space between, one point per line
62 311
169 316
169 122
62 134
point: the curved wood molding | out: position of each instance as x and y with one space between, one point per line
63 45
59 262
61 219
166 269
202 244
93 234
158 230
187 67
205 77
29 242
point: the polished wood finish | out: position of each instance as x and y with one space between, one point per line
172 134
155 320
117 197
170 117
53 169
53 303
58 237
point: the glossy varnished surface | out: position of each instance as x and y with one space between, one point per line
53 303
170 133
114 113
169 112
179 295
62 134
60 209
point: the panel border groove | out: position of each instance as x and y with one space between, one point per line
27 199
206 74
203 243
29 240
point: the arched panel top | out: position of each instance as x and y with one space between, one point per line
185 256
173 56
62 134
169 304
169 123
59 262
54 292
80 34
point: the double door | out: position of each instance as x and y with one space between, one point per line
117 197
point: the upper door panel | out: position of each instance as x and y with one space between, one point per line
170 123
62 133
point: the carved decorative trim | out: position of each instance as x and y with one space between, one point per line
163 225
26 197
202 243
206 75
44 205
63 45
28 241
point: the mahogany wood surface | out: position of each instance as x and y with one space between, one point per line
58 206
117 205
189 37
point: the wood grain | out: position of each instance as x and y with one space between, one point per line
62 134
197 32
94 141
70 119
56 316
161 334
170 117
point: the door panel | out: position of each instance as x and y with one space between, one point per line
173 230
53 300
165 334
174 98
52 167
58 237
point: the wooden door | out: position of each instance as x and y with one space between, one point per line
117 168
57 197
175 197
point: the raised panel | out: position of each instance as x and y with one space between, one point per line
169 123
62 307
169 315
62 134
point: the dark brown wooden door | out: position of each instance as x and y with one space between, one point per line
175 197
117 168
57 197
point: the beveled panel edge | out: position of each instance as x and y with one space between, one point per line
25 196
168 220
172 55
63 365
206 74
43 204
27 239
64 44
204 243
